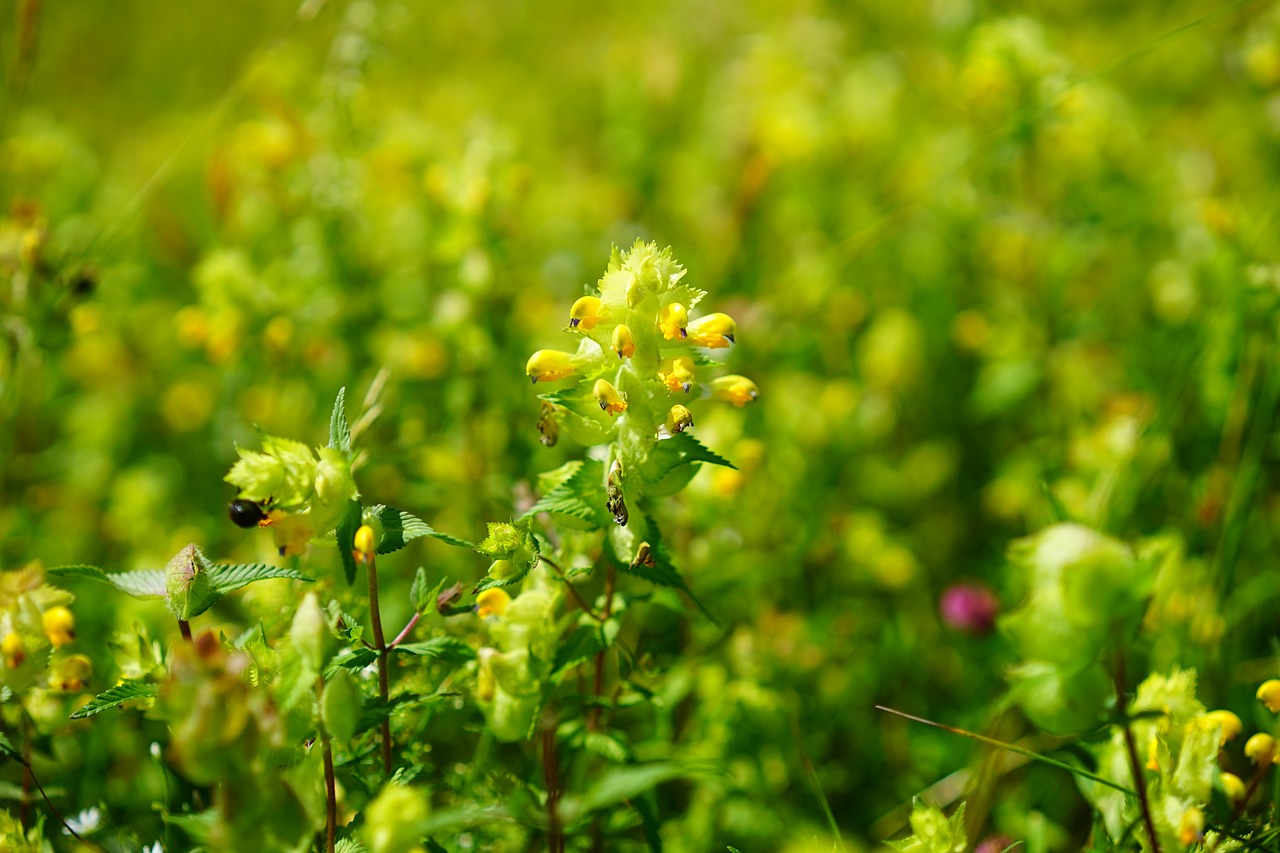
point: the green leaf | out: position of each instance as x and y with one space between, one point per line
339 429
422 594
581 496
376 710
583 644
148 583
443 649
660 570
198 825
7 749
401 528
680 449
621 784
356 659
340 706
126 691
226 577
346 539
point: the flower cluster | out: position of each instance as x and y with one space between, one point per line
35 626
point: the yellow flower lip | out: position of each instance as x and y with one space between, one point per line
59 625
678 419
608 397
1229 722
1261 748
673 320
492 602
585 313
714 331
548 365
1269 695
677 373
735 389
624 343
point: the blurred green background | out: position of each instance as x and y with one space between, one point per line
992 263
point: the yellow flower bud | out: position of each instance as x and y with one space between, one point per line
585 313
608 397
1153 753
672 320
679 419
548 365
1260 748
492 602
1230 723
13 651
70 674
715 331
1233 787
738 390
1269 695
623 343
59 625
1191 827
677 373
366 542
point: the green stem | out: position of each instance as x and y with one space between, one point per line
379 643
185 627
1135 764
330 782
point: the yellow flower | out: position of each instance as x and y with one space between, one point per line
1191 827
585 313
715 331
13 651
672 320
70 674
366 543
677 373
59 626
1260 748
623 343
1269 695
1233 787
492 602
738 390
1229 722
679 419
548 365
292 531
608 397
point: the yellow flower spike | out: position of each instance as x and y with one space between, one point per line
548 365
623 343
677 373
59 626
608 397
1261 748
366 541
738 390
13 651
492 602
70 674
1269 695
1191 827
1233 787
1230 723
714 331
673 320
585 313
679 419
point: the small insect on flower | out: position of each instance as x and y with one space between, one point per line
673 320
679 419
738 390
714 331
623 343
548 365
59 625
246 514
677 373
608 397
585 313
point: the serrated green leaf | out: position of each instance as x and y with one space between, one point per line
355 659
607 746
148 583
660 569
375 710
621 784
583 644
443 649
199 825
126 691
680 449
346 539
7 749
580 496
401 528
226 577
339 429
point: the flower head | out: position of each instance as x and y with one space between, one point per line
677 373
585 313
548 365
738 390
714 331
608 397
673 319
